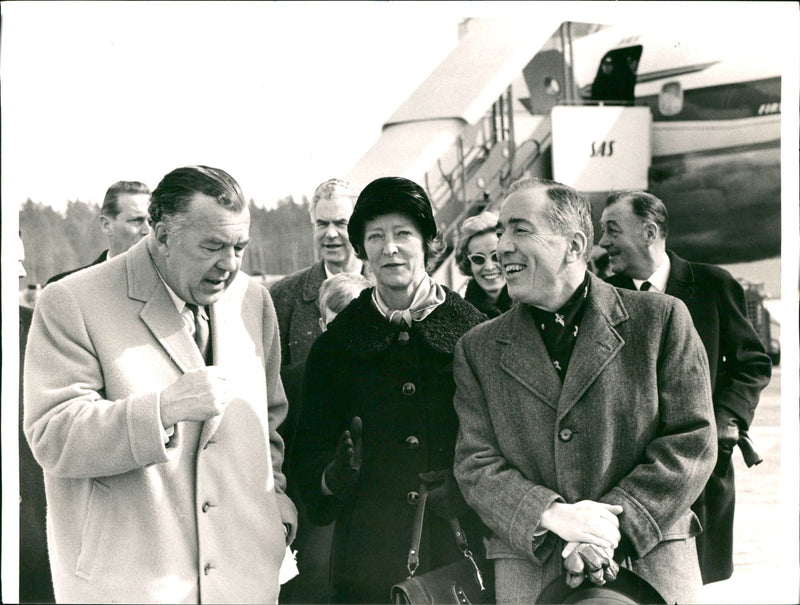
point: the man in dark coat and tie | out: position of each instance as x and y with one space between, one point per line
635 229
123 220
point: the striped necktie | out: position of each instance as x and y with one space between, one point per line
201 331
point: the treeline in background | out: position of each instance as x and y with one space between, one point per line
280 239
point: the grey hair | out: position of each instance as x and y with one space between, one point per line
644 205
569 210
330 189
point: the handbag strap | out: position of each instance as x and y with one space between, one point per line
416 538
416 531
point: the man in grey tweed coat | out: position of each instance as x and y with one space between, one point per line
585 412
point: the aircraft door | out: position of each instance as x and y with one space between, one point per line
615 81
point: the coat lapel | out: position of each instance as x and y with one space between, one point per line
313 281
680 283
227 344
159 313
525 357
597 343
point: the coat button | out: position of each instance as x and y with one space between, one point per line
565 434
412 442
409 389
413 498
403 338
206 506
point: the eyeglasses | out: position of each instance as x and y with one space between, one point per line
479 259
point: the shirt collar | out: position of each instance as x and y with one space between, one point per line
658 280
568 312
179 303
359 268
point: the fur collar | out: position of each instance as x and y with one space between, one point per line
362 330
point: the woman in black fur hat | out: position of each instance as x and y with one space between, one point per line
378 403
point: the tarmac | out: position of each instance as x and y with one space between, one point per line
766 566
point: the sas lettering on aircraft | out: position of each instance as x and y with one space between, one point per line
604 149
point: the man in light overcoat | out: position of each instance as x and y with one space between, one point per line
157 432
585 412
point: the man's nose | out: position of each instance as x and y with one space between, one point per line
603 243
331 232
228 261
504 245
145 229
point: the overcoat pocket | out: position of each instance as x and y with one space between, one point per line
93 529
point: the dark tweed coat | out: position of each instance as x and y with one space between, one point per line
740 369
404 395
295 298
632 425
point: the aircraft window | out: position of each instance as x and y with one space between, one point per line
551 86
670 99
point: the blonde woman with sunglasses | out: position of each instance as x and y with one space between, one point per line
476 256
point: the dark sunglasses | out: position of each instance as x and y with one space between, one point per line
480 259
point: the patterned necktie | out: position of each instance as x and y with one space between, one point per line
645 286
201 331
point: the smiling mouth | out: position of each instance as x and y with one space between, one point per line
216 282
513 268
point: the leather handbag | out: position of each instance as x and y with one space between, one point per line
460 583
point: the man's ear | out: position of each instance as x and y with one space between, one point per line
650 232
576 246
161 236
105 225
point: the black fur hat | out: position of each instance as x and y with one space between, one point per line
387 195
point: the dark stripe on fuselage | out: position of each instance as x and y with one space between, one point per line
723 102
726 102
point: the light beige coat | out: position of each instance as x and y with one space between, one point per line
131 518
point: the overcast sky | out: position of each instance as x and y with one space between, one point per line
283 95
280 95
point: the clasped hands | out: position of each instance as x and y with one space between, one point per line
591 530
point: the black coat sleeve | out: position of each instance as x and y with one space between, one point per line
745 367
322 418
